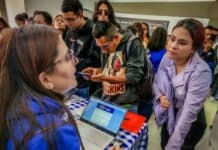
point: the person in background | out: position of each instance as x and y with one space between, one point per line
21 19
156 46
211 31
211 57
155 51
180 88
119 74
42 17
30 21
214 88
145 104
140 32
104 12
34 77
215 46
146 35
60 24
133 29
208 31
79 38
3 24
208 54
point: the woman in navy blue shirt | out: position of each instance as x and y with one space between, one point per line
156 46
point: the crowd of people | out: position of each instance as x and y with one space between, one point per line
43 62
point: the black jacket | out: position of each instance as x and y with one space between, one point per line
81 41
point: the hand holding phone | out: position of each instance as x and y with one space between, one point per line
83 74
89 73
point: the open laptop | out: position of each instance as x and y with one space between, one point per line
99 123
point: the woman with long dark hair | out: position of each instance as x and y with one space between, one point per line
104 12
36 70
146 35
156 46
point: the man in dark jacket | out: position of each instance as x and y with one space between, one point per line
208 54
79 38
120 75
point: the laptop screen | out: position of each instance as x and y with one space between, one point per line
104 115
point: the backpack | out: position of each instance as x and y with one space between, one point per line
145 86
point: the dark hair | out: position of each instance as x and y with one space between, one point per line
23 57
111 15
30 21
59 15
47 16
140 30
195 29
104 28
65 29
133 29
212 37
21 17
158 39
210 27
144 23
3 22
72 5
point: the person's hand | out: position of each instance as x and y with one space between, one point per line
91 71
97 77
164 102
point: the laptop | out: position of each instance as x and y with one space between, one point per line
99 123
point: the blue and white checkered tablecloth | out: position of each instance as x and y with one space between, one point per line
130 141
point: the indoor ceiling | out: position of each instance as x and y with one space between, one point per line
135 1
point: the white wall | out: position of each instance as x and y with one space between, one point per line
88 4
172 19
14 7
54 6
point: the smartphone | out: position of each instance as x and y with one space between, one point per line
82 74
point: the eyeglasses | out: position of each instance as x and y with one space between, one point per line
70 20
68 57
103 12
180 42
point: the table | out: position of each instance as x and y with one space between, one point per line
130 141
